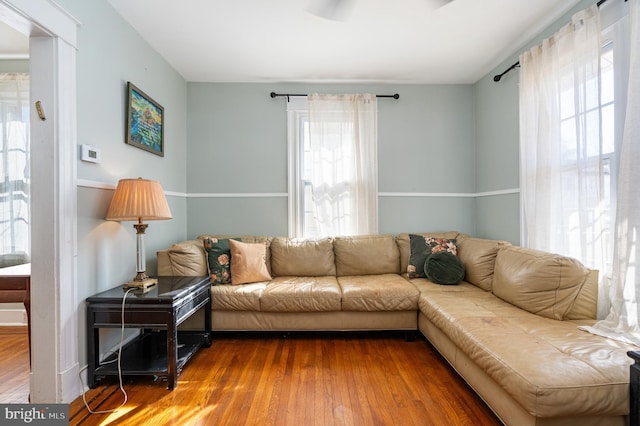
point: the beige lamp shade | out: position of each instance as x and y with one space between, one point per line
138 199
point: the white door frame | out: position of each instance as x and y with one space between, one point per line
54 308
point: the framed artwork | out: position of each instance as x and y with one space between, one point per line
145 121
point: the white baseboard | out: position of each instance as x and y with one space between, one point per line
71 384
13 317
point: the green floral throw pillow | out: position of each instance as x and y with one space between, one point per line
219 258
422 247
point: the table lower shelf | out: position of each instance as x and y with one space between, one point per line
147 354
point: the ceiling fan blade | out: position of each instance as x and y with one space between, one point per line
436 4
335 10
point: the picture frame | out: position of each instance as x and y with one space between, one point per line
145 121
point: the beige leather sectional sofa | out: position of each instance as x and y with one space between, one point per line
510 328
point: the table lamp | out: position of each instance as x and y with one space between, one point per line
138 200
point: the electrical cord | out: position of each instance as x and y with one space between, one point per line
118 359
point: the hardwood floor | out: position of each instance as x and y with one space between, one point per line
298 379
14 365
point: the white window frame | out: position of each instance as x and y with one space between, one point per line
608 159
297 113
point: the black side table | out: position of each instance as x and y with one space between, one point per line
160 349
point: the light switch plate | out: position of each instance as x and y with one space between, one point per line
89 153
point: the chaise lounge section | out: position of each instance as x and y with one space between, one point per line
510 328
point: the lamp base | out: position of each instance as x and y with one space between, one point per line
141 284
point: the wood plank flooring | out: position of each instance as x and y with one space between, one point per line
14 365
298 379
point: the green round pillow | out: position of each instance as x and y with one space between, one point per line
444 268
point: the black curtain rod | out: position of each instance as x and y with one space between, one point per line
288 95
517 64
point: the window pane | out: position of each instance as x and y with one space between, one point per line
606 66
567 106
592 134
306 150
590 93
310 228
608 129
568 134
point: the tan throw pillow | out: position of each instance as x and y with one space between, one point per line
248 263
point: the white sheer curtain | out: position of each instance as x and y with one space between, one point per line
562 167
622 322
15 242
344 166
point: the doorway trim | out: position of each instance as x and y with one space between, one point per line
54 308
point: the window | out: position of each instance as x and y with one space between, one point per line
594 168
301 206
332 165
14 170
572 114
602 122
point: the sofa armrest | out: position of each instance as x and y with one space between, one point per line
586 303
187 258
164 264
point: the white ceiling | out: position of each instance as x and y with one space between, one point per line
376 41
401 41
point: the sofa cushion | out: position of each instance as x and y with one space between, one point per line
366 255
187 259
301 294
404 246
384 292
542 283
302 257
444 267
227 297
248 263
219 259
423 246
479 257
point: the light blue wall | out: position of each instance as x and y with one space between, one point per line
110 53
436 139
497 133
238 144
498 216
231 138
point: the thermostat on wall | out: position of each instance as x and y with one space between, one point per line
89 153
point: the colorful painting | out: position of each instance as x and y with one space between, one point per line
145 121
